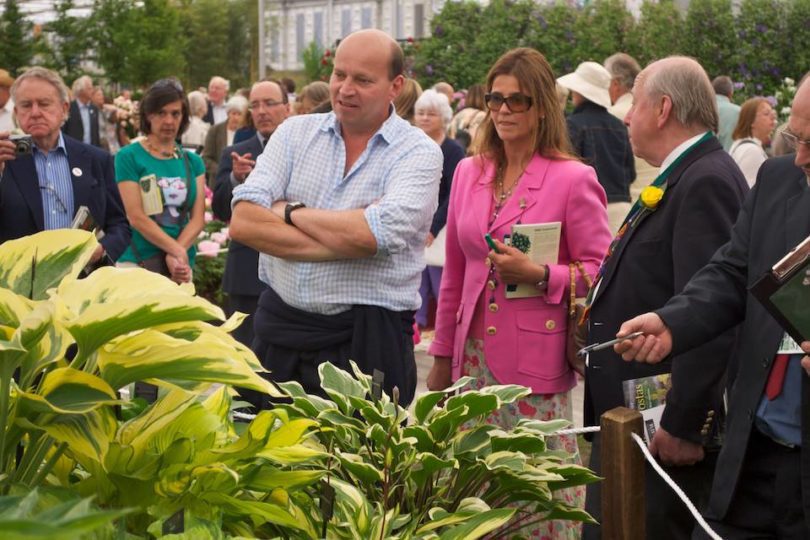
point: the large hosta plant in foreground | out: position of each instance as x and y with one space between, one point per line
68 345
75 458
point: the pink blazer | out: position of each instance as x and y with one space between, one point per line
527 345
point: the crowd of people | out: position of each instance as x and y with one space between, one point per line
365 209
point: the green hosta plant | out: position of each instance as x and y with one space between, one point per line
440 471
68 345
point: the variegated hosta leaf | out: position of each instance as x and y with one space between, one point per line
190 330
112 302
68 391
13 307
31 265
46 341
87 435
154 355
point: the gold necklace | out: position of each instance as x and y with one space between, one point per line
162 153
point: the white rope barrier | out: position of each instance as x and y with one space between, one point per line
578 431
678 491
644 450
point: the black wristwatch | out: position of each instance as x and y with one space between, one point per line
288 210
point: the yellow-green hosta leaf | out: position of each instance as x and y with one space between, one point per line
191 330
259 511
68 391
13 307
87 435
107 305
139 431
479 525
154 355
214 477
33 264
267 478
289 455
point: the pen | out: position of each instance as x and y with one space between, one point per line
599 346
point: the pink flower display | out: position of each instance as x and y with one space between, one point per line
208 248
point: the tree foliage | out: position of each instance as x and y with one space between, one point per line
601 29
763 47
66 41
710 36
16 40
658 33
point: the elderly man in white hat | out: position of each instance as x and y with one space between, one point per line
600 138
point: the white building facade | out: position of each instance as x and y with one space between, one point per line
291 25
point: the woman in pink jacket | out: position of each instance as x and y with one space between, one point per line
524 174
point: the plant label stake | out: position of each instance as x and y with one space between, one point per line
327 504
377 379
175 523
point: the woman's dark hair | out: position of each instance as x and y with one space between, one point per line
160 94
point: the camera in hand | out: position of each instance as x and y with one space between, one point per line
23 144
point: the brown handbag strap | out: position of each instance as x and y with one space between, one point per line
572 270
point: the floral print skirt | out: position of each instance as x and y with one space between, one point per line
539 407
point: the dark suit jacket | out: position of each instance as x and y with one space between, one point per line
209 114
215 141
774 219
652 263
242 265
74 127
21 211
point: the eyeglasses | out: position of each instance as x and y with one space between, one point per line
514 102
52 191
269 103
793 140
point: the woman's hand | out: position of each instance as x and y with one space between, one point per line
513 266
179 271
441 374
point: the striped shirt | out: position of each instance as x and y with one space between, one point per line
396 181
55 185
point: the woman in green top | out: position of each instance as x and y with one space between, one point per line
162 186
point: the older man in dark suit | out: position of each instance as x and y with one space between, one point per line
762 485
82 120
685 217
269 107
44 189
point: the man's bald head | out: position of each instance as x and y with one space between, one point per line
379 40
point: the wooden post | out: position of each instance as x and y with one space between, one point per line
623 469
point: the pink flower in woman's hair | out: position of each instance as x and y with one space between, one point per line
208 248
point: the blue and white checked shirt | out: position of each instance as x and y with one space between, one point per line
55 186
396 181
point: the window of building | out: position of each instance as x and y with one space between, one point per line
300 44
418 21
345 22
318 28
366 15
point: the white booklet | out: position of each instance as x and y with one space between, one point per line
541 242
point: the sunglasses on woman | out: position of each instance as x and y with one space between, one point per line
514 102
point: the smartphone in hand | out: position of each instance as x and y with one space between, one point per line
491 243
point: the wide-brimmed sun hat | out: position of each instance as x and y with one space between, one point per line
591 80
6 79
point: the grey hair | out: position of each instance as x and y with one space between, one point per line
623 68
82 82
723 85
46 75
237 103
436 101
685 81
218 79
196 103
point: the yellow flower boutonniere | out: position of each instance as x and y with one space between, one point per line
651 196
